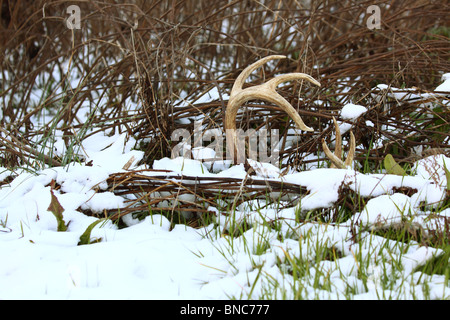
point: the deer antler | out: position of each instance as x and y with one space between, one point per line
265 91
336 158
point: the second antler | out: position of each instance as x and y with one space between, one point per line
336 158
266 92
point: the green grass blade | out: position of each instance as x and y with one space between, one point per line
85 238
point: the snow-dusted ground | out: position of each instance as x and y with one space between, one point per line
148 260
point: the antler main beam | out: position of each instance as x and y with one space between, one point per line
266 92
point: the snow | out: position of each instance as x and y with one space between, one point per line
352 111
445 86
385 209
180 165
148 260
402 94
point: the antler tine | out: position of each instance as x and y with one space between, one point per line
266 92
351 152
239 82
338 142
336 158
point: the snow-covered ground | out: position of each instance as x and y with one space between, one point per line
147 260
276 258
